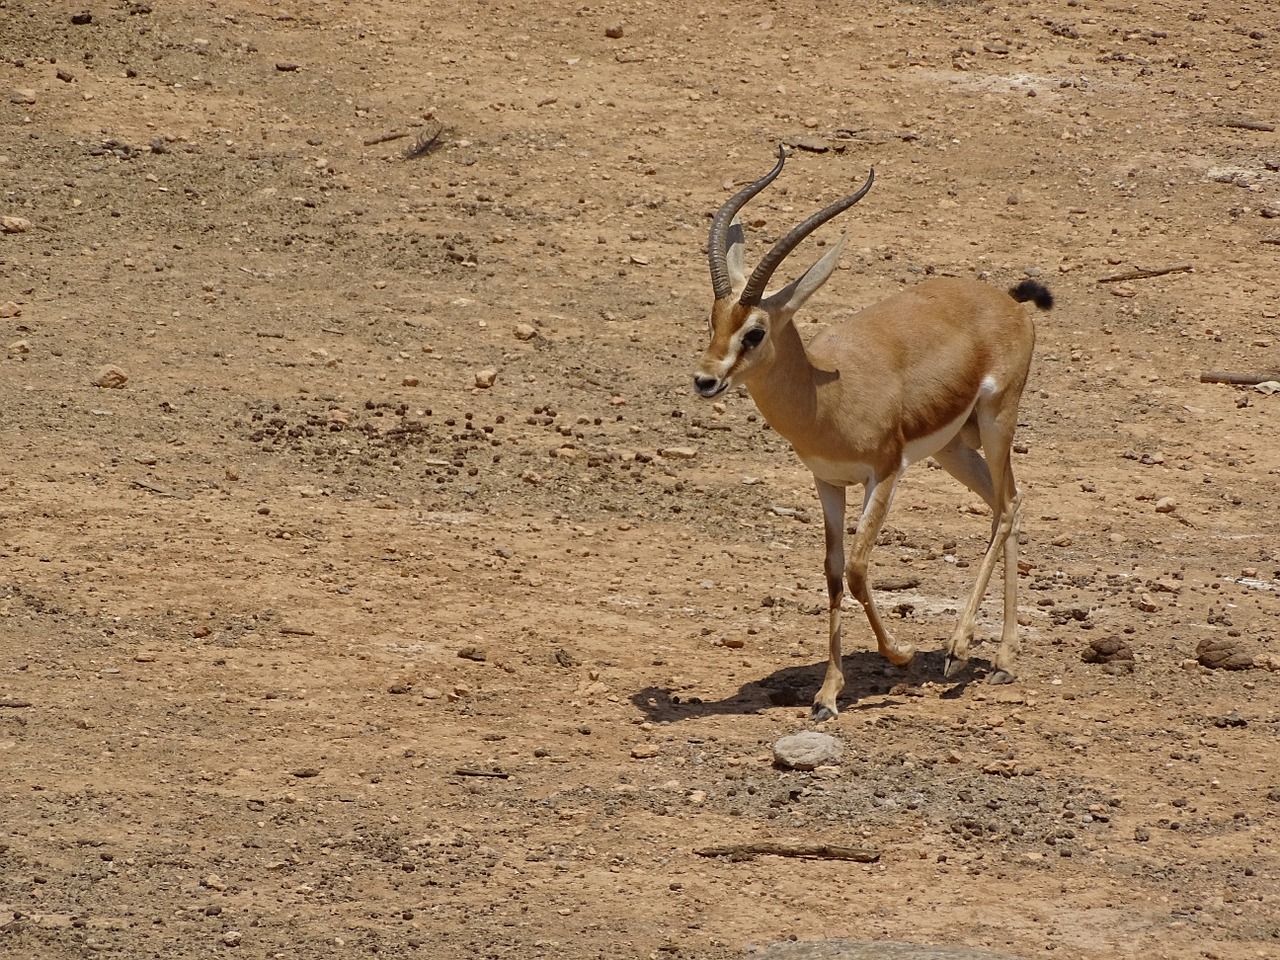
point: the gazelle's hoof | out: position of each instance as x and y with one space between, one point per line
999 677
901 656
952 665
820 713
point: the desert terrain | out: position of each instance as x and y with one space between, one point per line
373 582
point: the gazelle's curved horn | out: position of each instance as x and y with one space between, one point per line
718 241
754 290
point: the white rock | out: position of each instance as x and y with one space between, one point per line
808 750
678 453
110 377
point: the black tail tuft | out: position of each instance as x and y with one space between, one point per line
1032 290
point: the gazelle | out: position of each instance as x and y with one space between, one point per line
935 370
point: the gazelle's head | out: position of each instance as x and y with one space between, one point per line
744 318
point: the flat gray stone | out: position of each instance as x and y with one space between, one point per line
804 751
871 950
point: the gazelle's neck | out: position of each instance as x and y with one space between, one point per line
783 389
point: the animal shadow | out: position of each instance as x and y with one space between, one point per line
867 674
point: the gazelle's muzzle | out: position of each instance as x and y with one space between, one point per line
708 387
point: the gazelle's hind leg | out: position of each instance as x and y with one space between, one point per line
962 460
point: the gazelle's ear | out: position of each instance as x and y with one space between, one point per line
734 257
793 296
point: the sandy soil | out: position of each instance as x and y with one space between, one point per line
368 615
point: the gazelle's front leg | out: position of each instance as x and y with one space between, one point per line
833 506
875 509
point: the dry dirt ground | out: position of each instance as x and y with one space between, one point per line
269 608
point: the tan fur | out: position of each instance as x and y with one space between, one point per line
864 390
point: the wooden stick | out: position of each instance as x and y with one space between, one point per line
777 848
1145 273
1260 125
470 772
385 138
1241 379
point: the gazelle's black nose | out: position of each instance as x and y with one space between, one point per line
705 385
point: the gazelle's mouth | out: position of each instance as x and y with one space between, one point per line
708 387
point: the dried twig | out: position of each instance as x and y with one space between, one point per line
425 143
1259 125
777 848
161 491
1241 379
1145 273
386 138
471 772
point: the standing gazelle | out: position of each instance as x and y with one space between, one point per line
936 370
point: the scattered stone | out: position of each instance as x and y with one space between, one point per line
398 687
1166 505
306 773
812 144
1223 653
410 382
645 751
613 31
214 882
1113 653
891 582
473 653
1232 719
807 750
82 19
14 224
285 67
9 309
678 453
110 377
525 331
486 378
232 938
19 348
22 97
842 949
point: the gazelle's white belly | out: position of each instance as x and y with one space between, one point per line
931 443
843 473
839 473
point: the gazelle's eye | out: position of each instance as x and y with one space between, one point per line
752 338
